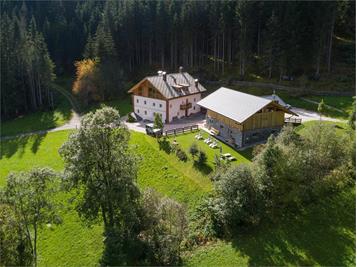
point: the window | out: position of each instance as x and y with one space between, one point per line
145 102
137 100
160 105
140 91
194 108
153 104
138 111
145 112
152 92
170 105
178 113
194 100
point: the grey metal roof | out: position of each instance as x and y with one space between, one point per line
275 97
233 104
175 83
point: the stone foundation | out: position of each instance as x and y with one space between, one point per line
237 138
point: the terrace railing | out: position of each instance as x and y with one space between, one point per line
293 120
182 130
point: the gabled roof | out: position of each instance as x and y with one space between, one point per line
276 98
176 85
236 105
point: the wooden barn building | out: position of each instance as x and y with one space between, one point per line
242 119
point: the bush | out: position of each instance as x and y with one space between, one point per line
202 158
158 121
240 198
165 230
131 118
193 150
289 172
204 223
181 154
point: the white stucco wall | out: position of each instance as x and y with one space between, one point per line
174 106
146 105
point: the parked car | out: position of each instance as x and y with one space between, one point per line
151 130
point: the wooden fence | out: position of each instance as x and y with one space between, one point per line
293 120
176 131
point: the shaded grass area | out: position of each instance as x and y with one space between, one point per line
73 243
41 120
122 104
24 153
322 234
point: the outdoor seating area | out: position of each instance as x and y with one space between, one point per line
213 143
228 156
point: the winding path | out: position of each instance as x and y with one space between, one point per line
75 121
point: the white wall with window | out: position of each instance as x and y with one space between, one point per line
146 107
174 106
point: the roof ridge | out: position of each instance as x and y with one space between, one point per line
242 93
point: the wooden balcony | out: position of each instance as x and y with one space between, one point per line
186 106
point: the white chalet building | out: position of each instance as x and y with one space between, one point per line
173 95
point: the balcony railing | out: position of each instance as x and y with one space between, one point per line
186 106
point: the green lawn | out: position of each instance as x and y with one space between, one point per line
341 127
41 120
186 140
73 243
322 235
122 104
343 103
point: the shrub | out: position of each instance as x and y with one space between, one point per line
202 158
204 223
131 118
193 150
158 121
165 230
181 154
240 197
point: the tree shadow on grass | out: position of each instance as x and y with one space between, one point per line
40 120
323 234
18 144
164 144
38 138
203 168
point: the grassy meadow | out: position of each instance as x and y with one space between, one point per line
323 234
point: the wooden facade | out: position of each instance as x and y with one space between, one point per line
270 116
229 122
146 89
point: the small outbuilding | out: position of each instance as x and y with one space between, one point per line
242 119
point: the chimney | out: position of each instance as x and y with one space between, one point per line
164 76
180 69
196 82
159 73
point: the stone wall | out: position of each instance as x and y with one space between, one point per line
230 135
237 138
259 135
